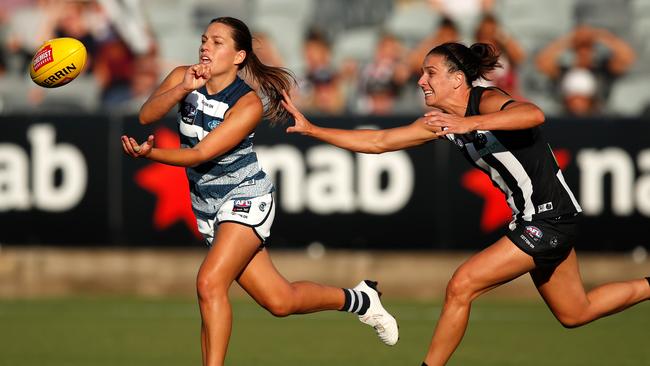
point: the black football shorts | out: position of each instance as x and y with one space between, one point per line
548 241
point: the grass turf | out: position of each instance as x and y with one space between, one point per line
134 331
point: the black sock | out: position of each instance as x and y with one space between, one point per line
648 279
355 301
424 364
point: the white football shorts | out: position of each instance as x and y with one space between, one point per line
257 213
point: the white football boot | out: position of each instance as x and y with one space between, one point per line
376 316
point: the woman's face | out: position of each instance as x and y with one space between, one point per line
218 49
436 81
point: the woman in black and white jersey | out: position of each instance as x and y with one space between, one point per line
501 137
231 196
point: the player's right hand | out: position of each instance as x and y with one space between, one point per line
196 76
302 125
135 150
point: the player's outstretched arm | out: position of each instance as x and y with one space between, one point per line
238 123
181 81
363 141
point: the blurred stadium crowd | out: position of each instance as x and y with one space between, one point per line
571 57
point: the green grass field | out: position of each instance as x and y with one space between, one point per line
110 331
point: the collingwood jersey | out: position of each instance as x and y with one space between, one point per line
236 173
521 164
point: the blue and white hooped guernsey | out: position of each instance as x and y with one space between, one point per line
236 173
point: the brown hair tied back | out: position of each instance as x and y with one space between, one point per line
270 80
475 61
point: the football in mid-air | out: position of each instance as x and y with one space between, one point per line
57 62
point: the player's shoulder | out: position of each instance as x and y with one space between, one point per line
174 77
178 72
493 99
494 92
250 101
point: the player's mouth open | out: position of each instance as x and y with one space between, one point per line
427 93
205 60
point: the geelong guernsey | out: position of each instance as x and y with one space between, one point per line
521 164
236 173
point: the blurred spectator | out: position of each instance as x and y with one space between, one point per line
3 56
320 88
117 43
29 25
381 80
126 65
591 49
73 19
464 13
512 55
578 90
144 80
446 32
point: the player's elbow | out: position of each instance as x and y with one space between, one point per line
197 158
374 149
377 145
538 117
144 118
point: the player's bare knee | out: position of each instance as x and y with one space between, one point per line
208 288
279 306
459 289
572 321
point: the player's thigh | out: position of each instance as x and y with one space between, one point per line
494 265
232 249
561 286
262 281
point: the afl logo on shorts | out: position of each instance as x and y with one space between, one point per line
534 233
241 206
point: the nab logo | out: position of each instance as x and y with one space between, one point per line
59 173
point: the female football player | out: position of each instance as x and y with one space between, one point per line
500 136
231 196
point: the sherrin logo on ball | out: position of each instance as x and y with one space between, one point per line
57 62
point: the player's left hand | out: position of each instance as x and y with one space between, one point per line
302 124
445 123
135 150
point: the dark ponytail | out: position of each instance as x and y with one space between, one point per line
270 80
475 61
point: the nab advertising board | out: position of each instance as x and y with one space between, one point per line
65 181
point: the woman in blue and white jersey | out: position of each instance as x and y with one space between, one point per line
231 196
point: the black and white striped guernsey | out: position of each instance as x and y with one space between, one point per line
521 164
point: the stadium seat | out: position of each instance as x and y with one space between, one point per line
357 44
412 22
534 22
166 16
287 33
179 47
630 96
299 10
613 15
203 11
81 96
